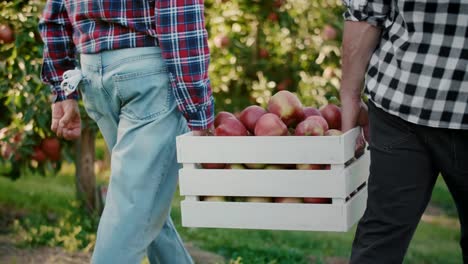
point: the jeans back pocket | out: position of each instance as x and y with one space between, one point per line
143 95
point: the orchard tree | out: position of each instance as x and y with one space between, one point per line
26 140
263 46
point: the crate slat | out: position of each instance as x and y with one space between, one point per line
271 150
275 183
275 216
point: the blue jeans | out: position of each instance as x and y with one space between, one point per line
127 93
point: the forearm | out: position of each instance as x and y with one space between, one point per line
359 42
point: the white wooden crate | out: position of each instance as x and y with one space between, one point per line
337 183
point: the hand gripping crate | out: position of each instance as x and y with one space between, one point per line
345 182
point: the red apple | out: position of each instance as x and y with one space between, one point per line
258 199
309 127
284 84
288 200
318 200
250 115
6 34
311 111
51 147
332 114
221 116
320 120
329 33
263 53
287 106
333 132
231 127
38 155
273 17
270 125
310 166
213 166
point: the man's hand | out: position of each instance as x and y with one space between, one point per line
355 113
66 120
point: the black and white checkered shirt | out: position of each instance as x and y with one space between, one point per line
419 71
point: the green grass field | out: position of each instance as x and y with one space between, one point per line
435 241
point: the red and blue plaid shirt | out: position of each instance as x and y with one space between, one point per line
91 26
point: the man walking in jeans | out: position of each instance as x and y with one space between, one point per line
143 76
414 55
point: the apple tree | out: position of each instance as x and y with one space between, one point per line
26 140
263 46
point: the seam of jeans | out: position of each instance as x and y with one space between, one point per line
93 113
133 75
131 59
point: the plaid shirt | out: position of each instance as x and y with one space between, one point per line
91 26
419 71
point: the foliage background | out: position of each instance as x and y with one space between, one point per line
269 45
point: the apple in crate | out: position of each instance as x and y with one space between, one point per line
231 127
250 115
311 111
321 121
287 106
310 166
276 167
288 200
309 127
318 200
213 166
235 167
255 166
221 116
333 132
332 114
214 199
270 125
259 199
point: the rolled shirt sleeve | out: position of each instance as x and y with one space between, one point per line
374 12
59 49
184 43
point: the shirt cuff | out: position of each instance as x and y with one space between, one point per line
374 13
58 94
201 119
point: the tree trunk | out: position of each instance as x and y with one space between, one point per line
85 176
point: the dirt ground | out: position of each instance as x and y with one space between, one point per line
10 254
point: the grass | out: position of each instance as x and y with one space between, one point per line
432 243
